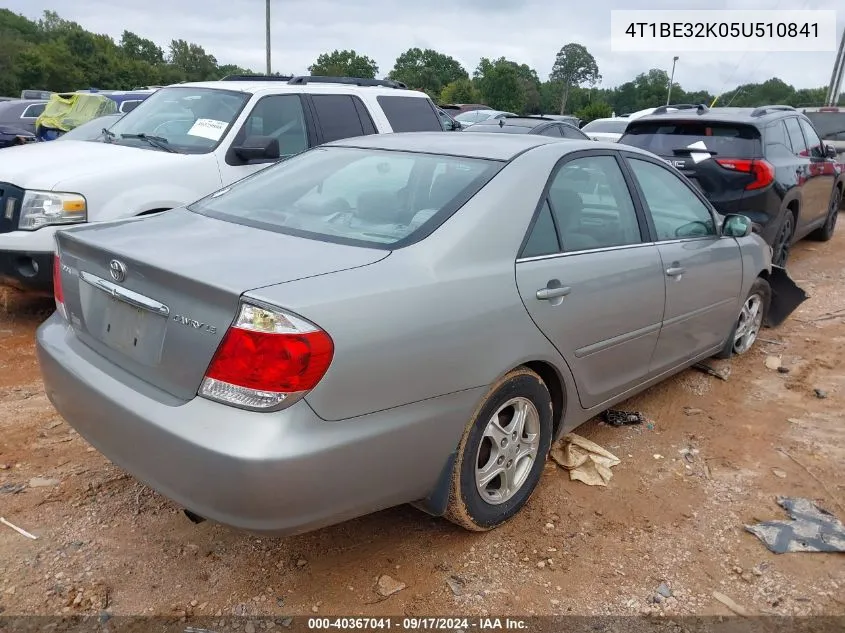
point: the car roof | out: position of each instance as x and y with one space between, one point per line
262 86
613 119
491 146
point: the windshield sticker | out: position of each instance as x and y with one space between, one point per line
701 155
208 128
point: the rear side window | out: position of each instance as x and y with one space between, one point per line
410 114
543 238
552 130
339 117
674 138
609 127
128 106
571 132
33 110
374 198
777 140
796 137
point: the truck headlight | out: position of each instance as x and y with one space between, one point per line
43 208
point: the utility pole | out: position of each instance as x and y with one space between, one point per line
267 19
671 80
835 86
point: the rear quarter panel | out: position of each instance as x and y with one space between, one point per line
756 259
437 317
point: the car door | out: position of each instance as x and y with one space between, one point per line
283 117
822 174
590 277
702 270
808 184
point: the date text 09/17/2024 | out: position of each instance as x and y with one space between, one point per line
417 624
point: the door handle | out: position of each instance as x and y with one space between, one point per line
675 271
547 294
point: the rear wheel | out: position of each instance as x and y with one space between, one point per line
783 240
752 316
825 233
502 453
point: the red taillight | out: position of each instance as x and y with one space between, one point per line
763 172
266 357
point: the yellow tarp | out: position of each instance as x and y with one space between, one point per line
67 111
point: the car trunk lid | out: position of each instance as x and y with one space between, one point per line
704 151
155 296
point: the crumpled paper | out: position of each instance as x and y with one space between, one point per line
586 461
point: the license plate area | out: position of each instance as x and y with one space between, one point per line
135 332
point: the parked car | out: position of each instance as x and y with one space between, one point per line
180 144
609 129
66 111
11 136
469 107
126 100
93 130
829 122
466 119
449 124
564 118
387 294
529 125
767 163
21 113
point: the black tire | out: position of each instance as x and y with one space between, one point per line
761 288
825 232
783 239
467 507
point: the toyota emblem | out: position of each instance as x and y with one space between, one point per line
117 270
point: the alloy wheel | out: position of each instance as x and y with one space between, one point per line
749 324
782 243
507 450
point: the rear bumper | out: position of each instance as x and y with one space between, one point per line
269 473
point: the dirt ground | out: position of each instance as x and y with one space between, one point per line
107 542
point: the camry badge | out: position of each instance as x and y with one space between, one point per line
117 270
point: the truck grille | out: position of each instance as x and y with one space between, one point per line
10 207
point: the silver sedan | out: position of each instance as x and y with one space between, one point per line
408 318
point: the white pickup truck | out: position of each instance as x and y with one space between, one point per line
182 143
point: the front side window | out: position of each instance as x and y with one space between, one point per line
813 140
796 137
592 205
280 117
364 197
677 212
186 120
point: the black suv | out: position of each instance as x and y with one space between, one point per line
767 163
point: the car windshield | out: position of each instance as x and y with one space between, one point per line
91 130
364 197
829 125
613 127
679 138
474 116
189 120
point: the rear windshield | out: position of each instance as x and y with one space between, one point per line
375 198
679 138
829 125
613 127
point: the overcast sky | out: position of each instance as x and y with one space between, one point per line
526 31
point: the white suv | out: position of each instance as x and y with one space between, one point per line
182 143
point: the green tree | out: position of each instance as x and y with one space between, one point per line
501 85
192 60
427 70
344 64
594 110
574 66
460 91
141 49
233 69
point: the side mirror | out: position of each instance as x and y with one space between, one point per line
258 148
830 151
456 126
737 226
